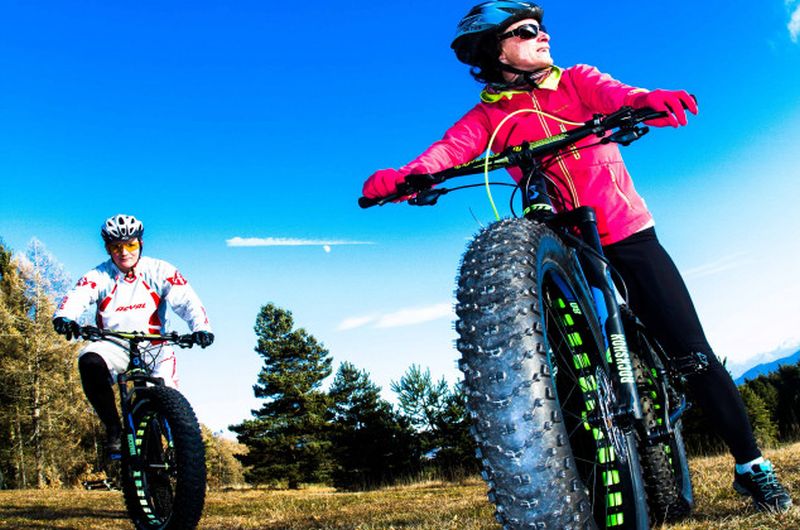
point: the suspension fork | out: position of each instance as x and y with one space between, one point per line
126 397
537 206
598 276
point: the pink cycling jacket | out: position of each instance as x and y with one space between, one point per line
594 177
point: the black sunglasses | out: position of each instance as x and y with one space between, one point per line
525 32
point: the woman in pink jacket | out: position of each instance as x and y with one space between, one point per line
509 49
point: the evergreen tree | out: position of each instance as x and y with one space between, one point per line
439 415
371 444
287 439
787 382
766 390
456 455
765 431
421 400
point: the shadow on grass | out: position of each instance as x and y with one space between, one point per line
30 517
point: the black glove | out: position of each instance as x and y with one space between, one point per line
69 328
203 338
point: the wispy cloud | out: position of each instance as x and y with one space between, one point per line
403 317
355 322
794 22
289 242
722 264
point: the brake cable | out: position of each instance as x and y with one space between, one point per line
491 141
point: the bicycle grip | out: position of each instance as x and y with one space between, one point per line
366 202
90 333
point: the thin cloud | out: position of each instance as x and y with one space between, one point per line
289 242
355 322
794 24
722 264
403 317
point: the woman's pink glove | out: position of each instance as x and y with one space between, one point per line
383 183
672 102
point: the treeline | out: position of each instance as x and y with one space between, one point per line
49 435
351 438
773 405
347 436
45 429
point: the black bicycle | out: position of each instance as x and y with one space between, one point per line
576 408
163 466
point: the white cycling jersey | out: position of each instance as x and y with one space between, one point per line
136 302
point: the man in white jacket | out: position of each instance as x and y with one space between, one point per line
131 293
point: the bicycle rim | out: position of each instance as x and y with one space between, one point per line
602 452
156 480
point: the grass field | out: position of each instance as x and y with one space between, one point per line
430 506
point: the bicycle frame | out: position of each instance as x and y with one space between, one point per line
633 363
621 127
136 376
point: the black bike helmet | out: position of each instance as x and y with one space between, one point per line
487 20
121 228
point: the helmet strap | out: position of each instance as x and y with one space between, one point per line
141 248
525 78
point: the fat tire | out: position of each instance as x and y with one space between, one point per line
511 381
664 465
186 493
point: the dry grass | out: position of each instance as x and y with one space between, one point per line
430 506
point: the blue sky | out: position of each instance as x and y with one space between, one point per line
213 121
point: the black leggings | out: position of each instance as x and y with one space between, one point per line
96 381
658 296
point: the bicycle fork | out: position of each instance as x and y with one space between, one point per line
537 206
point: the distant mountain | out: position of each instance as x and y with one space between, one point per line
768 367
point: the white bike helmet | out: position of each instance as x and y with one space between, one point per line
121 228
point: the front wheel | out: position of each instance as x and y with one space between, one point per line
539 389
164 481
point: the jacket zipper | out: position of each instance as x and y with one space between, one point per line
618 188
559 158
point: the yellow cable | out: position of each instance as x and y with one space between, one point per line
491 141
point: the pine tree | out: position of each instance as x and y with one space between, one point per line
456 456
439 415
765 431
421 400
372 445
287 439
766 390
787 381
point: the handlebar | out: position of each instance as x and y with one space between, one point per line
623 124
93 333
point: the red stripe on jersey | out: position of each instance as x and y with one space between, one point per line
105 302
155 322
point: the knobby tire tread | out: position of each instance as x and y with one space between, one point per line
190 487
517 422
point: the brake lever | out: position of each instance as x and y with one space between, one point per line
90 333
427 197
421 181
627 135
